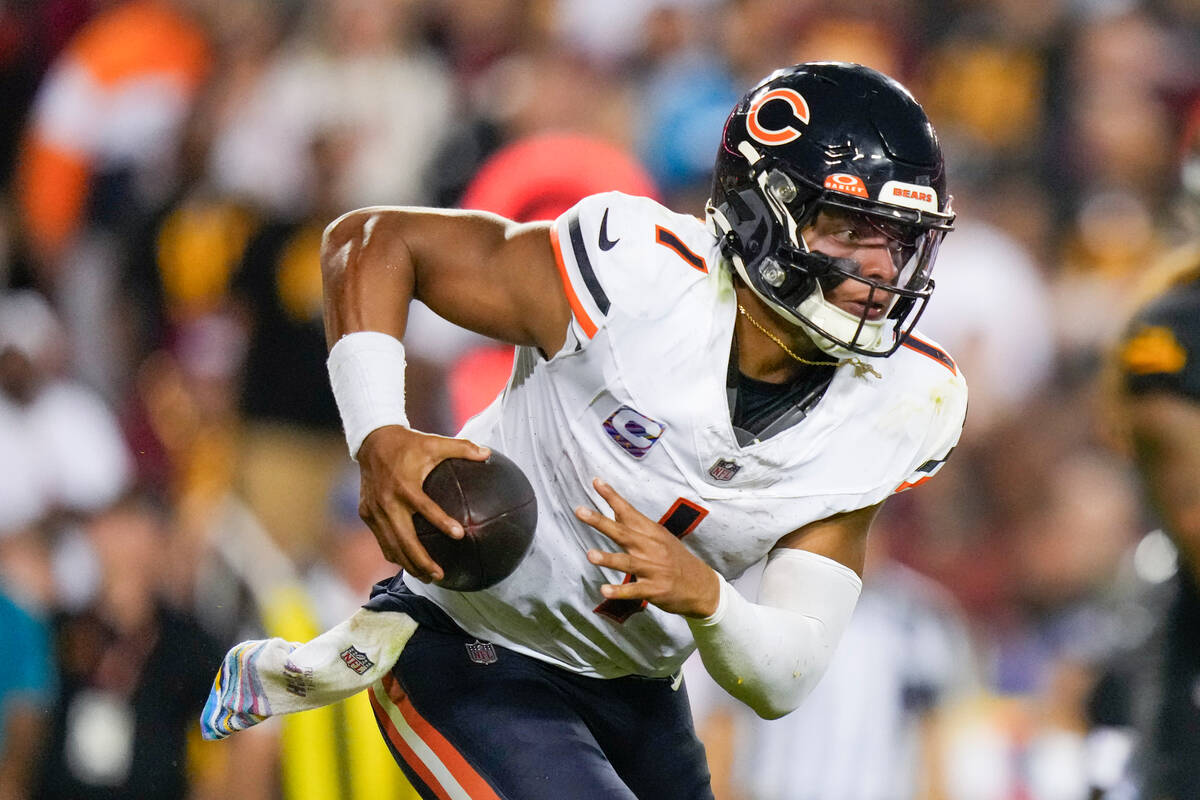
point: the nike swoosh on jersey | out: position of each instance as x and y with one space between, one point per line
605 242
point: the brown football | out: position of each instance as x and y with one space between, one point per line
495 503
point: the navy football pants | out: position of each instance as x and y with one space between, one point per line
520 729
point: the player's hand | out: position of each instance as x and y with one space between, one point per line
668 574
394 461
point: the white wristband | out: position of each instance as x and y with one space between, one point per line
366 371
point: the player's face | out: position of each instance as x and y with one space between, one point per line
880 250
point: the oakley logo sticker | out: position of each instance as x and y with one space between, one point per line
846 184
633 431
758 128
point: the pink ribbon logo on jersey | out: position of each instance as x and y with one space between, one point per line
633 431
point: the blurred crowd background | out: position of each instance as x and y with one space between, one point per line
173 476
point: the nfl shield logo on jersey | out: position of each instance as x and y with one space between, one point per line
356 659
482 652
724 469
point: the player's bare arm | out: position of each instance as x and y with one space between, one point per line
480 271
1166 437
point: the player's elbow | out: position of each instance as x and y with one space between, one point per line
364 241
335 242
341 237
769 711
772 694
779 701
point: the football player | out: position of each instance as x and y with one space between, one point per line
688 398
1158 361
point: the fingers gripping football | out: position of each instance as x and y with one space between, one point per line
394 461
667 573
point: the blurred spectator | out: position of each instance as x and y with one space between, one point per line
756 36
986 78
186 423
382 99
546 89
1158 362
1006 349
1123 64
685 94
871 33
255 121
1043 628
334 753
109 110
863 734
609 33
541 176
135 672
75 456
28 685
1066 552
27 688
69 456
100 155
476 34
31 35
1125 71
532 179
1001 747
290 444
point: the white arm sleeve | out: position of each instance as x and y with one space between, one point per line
771 654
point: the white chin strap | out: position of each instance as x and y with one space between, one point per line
815 310
842 324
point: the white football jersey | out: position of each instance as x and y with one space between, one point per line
637 396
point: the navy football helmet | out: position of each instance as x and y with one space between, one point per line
841 138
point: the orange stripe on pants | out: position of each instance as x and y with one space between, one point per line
470 781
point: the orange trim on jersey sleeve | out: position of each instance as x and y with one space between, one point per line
52 186
466 776
931 352
906 485
585 322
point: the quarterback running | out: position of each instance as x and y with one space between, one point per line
689 397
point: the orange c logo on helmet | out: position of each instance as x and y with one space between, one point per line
777 136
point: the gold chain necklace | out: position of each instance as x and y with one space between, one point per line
860 367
